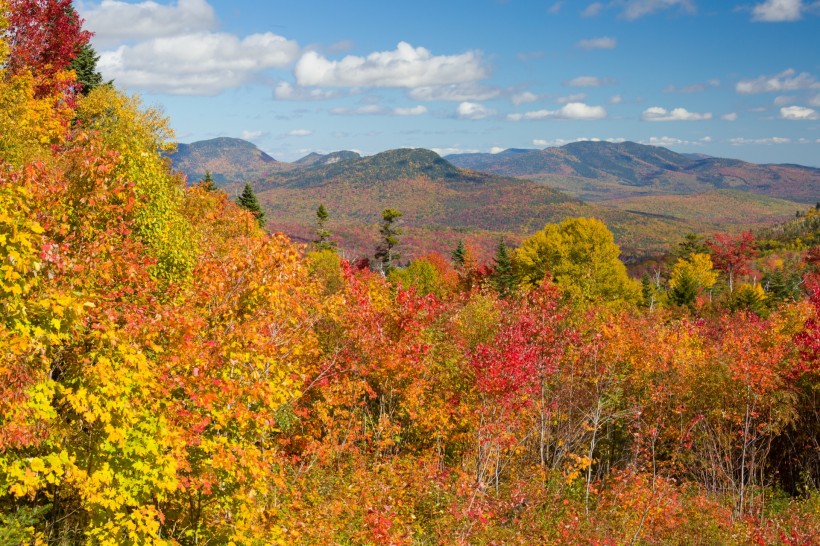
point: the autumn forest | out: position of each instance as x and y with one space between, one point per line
171 372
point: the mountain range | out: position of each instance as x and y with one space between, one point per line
648 196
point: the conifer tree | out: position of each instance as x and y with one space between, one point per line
249 202
502 278
85 66
207 183
385 252
459 255
323 234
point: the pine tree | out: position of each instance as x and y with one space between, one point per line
323 241
249 202
85 66
502 277
459 255
685 290
207 183
385 252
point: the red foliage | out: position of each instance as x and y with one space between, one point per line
732 254
45 36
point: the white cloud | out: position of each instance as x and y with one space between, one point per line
300 132
598 43
732 116
496 150
815 100
450 151
204 63
412 111
635 9
523 98
454 92
113 21
783 100
656 113
592 10
378 110
740 141
778 11
369 110
473 110
788 80
573 110
799 113
406 66
253 135
286 91
616 99
588 81
563 141
672 141
577 97
555 8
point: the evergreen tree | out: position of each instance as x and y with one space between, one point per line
249 202
85 66
385 252
691 244
459 255
685 290
207 183
648 292
323 241
502 277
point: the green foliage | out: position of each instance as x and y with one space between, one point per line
322 241
685 289
207 183
459 254
84 66
502 277
385 252
420 275
247 200
581 255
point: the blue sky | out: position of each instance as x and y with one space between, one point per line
721 77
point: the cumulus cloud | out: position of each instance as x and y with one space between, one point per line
523 98
577 97
799 113
778 11
635 9
252 135
454 92
562 141
573 110
783 100
788 80
592 10
740 141
616 99
454 150
411 111
406 66
732 116
588 81
300 132
693 88
656 113
672 141
598 43
496 150
473 110
113 21
378 110
286 91
204 63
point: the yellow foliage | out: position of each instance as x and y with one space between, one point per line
698 267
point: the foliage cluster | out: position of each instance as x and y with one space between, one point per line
170 373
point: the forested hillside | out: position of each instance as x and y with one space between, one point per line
173 374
